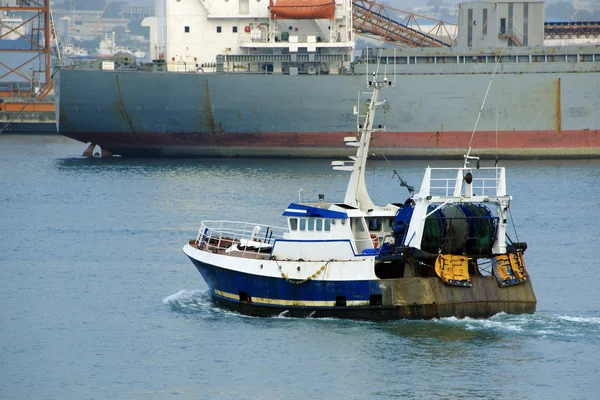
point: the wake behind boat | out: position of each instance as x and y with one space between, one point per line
443 252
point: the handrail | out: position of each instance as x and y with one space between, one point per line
222 235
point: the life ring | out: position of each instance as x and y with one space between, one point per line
375 240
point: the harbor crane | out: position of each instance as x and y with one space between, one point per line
101 15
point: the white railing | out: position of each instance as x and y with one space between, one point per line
486 180
222 235
293 38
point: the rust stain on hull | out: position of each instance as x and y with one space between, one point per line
558 107
210 118
124 113
425 298
402 300
519 144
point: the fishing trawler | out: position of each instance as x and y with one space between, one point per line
443 252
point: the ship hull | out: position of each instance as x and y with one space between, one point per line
140 114
384 299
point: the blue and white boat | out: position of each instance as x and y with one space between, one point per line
443 252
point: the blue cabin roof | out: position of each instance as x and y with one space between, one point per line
300 210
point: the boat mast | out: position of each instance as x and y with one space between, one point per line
356 193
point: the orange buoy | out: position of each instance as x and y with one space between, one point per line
375 240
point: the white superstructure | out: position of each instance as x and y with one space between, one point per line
198 32
12 28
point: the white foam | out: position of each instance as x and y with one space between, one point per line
582 320
545 325
183 296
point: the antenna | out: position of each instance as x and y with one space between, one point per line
367 73
395 62
468 155
356 192
357 110
378 63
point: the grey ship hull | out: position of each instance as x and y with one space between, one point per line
159 114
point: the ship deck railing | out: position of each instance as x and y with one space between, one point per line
487 181
522 55
242 239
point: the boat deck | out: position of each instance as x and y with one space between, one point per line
237 239
224 248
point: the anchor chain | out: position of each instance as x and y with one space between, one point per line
310 277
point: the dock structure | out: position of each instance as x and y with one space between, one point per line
26 92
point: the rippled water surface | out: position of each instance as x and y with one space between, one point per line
99 302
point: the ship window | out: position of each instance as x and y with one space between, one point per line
358 225
186 29
293 224
470 27
374 224
485 21
218 29
388 223
302 224
319 224
311 224
234 29
327 225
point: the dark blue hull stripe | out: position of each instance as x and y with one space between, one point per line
229 284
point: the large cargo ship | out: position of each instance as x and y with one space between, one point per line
256 79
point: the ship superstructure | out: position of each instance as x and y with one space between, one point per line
12 27
283 36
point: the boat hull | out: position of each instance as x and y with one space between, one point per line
381 299
141 114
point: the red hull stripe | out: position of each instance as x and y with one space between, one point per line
534 143
442 140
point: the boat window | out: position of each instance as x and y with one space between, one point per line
235 29
327 225
302 224
374 224
187 29
311 224
388 224
358 225
218 29
293 224
319 224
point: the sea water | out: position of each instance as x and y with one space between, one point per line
98 300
